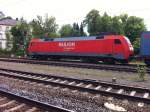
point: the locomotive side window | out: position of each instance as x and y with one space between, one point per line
48 39
100 37
117 41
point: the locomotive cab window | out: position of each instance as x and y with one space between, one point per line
117 41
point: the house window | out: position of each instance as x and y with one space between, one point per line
7 29
0 36
0 45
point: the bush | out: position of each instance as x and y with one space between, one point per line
20 52
142 70
136 45
8 53
5 53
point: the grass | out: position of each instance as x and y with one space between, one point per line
74 72
137 62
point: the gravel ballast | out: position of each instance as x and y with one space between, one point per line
122 77
54 96
75 100
70 99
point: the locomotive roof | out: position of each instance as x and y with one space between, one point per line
73 38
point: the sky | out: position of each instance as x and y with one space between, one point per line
69 11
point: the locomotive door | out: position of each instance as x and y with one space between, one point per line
117 49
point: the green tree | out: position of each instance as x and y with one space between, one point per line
92 21
72 31
21 37
116 25
82 33
76 30
96 23
66 30
133 27
105 23
130 26
136 45
41 26
53 35
123 19
36 26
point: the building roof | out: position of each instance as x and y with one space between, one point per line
8 22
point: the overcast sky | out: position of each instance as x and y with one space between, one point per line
69 11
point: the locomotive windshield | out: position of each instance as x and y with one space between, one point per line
128 41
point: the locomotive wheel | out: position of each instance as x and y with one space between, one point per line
55 58
124 61
90 60
109 61
41 58
30 57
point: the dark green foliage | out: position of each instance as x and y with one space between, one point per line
76 30
53 35
93 22
5 53
136 45
21 36
105 23
116 25
130 26
20 52
133 27
72 31
142 70
66 30
37 28
41 26
82 33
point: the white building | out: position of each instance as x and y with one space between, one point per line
5 26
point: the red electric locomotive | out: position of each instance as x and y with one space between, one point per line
107 48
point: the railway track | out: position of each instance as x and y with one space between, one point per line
10 102
117 67
137 94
